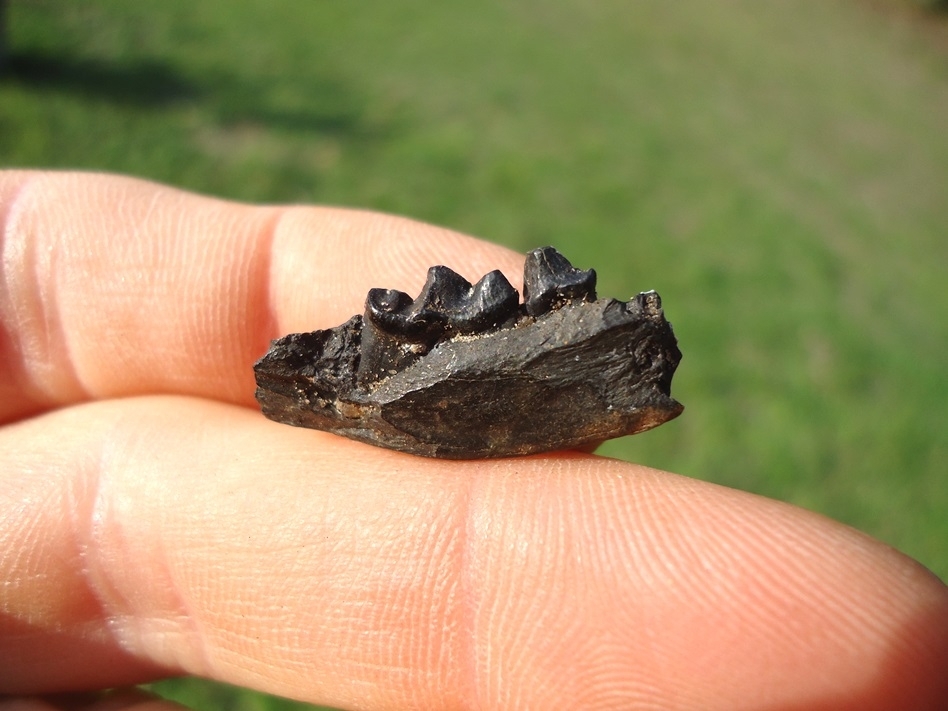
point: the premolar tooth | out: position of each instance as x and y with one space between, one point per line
388 309
398 330
444 292
550 281
491 302
450 304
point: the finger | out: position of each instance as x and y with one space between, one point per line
188 536
112 286
114 700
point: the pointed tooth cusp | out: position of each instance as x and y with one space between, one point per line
421 319
442 295
493 301
550 281
460 307
443 291
448 304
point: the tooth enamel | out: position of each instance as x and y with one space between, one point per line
550 281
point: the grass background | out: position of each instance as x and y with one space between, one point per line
777 171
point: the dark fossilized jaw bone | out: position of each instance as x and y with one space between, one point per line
467 372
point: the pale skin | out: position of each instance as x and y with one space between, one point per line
155 523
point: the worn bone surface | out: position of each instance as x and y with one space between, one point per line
465 371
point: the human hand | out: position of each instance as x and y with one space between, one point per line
155 523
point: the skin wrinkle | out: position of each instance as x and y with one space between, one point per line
705 588
105 547
468 600
555 539
451 642
434 651
8 347
83 529
69 610
129 273
265 326
252 282
56 331
495 634
831 610
599 578
49 305
198 635
485 672
21 257
198 338
394 552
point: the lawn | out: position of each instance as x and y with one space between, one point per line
777 171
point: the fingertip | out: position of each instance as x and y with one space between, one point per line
705 595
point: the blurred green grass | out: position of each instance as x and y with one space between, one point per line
778 171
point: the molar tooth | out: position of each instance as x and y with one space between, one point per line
398 330
550 281
444 291
460 307
492 301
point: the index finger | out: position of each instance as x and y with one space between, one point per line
112 286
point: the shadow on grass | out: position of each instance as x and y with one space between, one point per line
138 83
321 104
311 104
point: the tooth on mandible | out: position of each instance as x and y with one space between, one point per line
550 281
491 302
465 372
389 310
448 304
